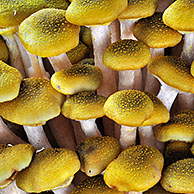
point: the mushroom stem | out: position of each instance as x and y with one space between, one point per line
162 5
90 128
66 190
15 58
37 136
134 192
7 136
60 62
127 136
114 28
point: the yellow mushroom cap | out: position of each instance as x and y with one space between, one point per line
48 170
92 12
86 35
160 113
2 146
4 53
137 168
14 12
12 160
179 177
10 82
129 107
94 185
83 106
180 127
155 33
89 61
192 149
180 15
139 9
77 78
47 33
173 71
157 189
36 103
192 69
59 4
126 55
95 153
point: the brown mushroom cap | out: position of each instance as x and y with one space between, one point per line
83 106
36 103
47 33
94 185
139 9
49 169
180 15
179 177
92 12
155 33
14 12
174 71
4 53
180 127
129 107
77 78
96 153
10 82
126 55
12 160
137 168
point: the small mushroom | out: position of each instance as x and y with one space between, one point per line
94 185
4 55
178 177
85 107
52 168
95 153
137 168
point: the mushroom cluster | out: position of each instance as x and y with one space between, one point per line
96 96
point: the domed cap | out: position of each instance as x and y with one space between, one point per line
139 9
51 168
137 168
36 103
92 12
179 177
174 71
12 160
83 106
96 153
129 107
160 113
155 33
94 185
14 12
10 82
157 189
77 78
180 15
4 53
59 4
180 127
126 55
47 33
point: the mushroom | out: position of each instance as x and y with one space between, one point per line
77 78
95 153
130 109
178 177
137 168
174 75
157 189
192 69
47 33
94 185
12 160
3 51
85 107
59 4
52 168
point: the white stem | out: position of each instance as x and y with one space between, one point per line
157 52
12 189
66 190
188 48
127 29
167 95
14 53
60 62
163 4
90 128
127 136
114 28
101 40
133 192
37 137
7 136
